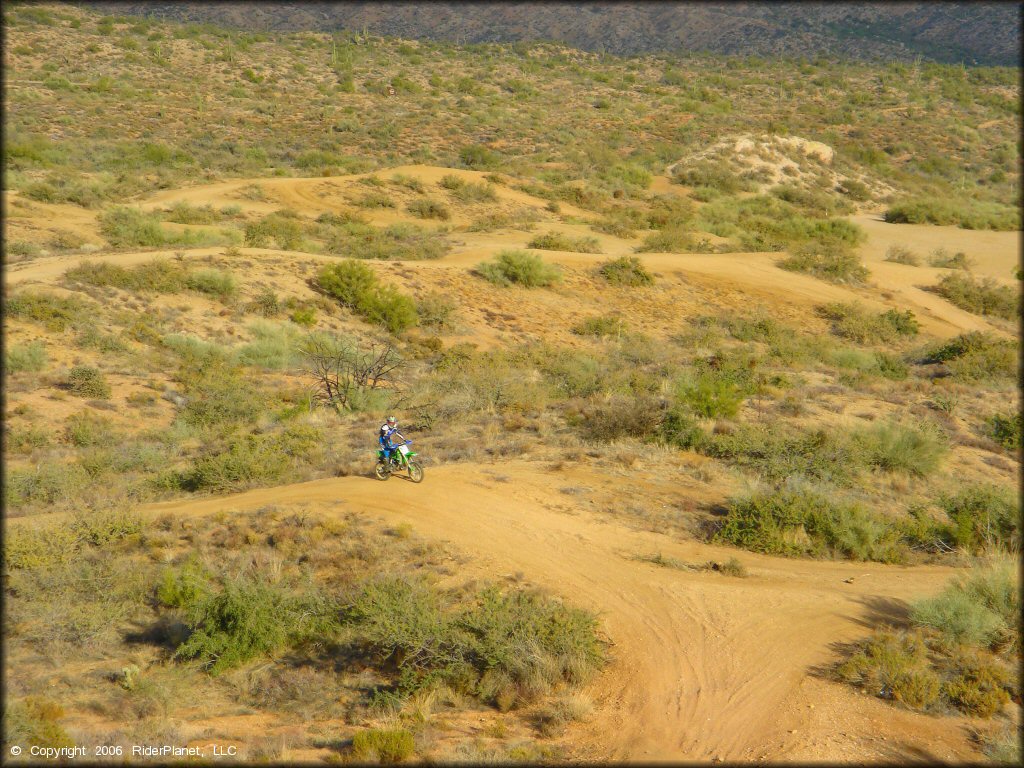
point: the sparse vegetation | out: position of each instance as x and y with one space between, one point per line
356 286
833 262
519 268
626 271
984 297
554 241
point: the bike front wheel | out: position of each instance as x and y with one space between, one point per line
415 472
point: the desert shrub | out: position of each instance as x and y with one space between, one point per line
979 688
478 156
893 447
184 587
981 608
852 321
519 267
102 528
900 254
24 248
183 213
512 644
679 428
41 547
1005 430
627 271
255 459
985 297
429 209
157 276
714 174
396 241
382 745
983 518
374 199
35 722
977 356
26 439
894 665
967 214
436 311
355 285
88 428
266 304
214 282
22 358
128 227
216 392
797 520
943 259
709 395
285 231
471 191
668 240
49 483
247 619
833 262
776 454
86 381
1003 745
621 416
522 219
274 346
554 241
450 181
55 313
602 325
304 316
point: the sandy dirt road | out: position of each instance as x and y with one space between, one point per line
703 666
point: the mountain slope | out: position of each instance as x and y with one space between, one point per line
975 33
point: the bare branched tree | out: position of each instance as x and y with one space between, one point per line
341 370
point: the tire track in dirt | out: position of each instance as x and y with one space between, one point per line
701 665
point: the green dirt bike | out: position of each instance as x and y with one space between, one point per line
401 460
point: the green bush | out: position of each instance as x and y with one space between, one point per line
602 325
851 321
282 228
977 356
90 429
621 416
834 262
672 239
274 346
979 690
436 311
519 267
130 227
983 518
981 609
183 213
398 241
22 358
893 447
382 745
893 666
374 199
986 297
55 313
429 209
86 381
49 483
247 619
627 271
1005 430
214 282
507 645
157 276
554 241
355 285
796 520
255 460
42 547
967 214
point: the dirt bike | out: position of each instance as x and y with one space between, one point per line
401 460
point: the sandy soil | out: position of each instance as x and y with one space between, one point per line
703 666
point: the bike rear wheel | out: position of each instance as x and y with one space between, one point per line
415 472
381 471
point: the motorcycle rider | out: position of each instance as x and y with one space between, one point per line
389 428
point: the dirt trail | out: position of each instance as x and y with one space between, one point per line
703 666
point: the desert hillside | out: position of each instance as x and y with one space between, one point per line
710 369
974 33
